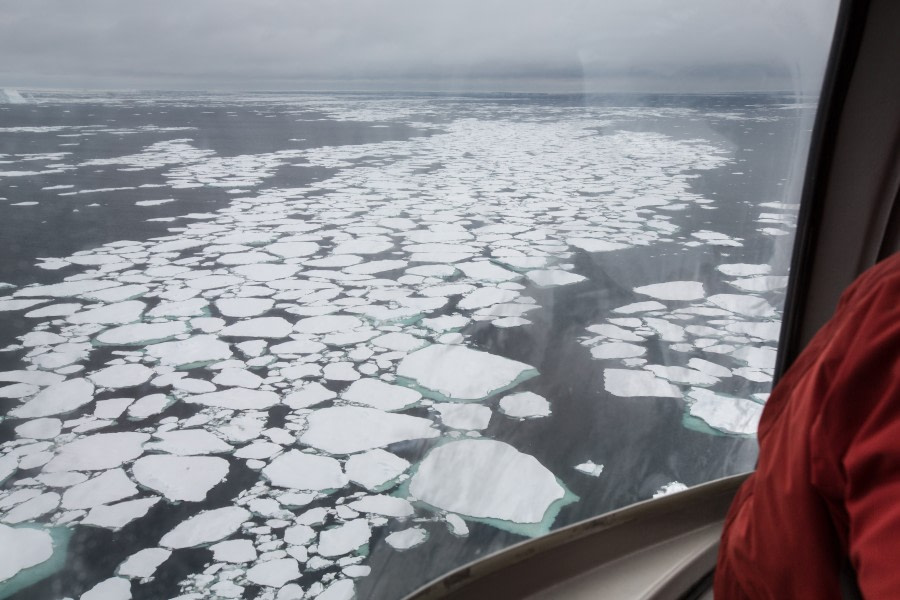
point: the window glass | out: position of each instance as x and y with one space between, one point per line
519 264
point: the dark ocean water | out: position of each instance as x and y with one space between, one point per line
644 442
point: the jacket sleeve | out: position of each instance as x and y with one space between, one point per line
858 443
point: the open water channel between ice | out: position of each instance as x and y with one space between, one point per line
326 346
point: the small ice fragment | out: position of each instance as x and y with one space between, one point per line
524 405
670 488
590 468
407 538
457 525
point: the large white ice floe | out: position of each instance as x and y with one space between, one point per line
344 538
673 290
461 373
109 486
260 327
749 306
180 477
143 563
274 573
301 471
327 324
22 548
553 277
198 349
116 516
57 399
236 399
725 413
349 429
379 394
188 442
140 334
205 528
629 383
486 479
121 376
98 452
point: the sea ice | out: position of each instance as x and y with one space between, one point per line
180 477
669 488
244 307
274 573
57 399
617 350
463 416
524 405
301 471
461 373
350 429
98 452
111 314
40 429
374 468
260 327
378 394
388 506
673 290
121 376
205 528
327 324
553 277
407 538
234 551
109 486
725 413
236 399
193 350
749 306
140 334
143 563
486 479
637 307
344 538
114 588
590 468
116 516
627 383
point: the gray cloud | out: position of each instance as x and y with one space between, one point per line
594 45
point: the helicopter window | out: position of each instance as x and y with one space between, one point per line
518 264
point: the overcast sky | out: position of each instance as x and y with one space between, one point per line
576 45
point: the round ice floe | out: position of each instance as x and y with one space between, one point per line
524 405
57 399
244 307
180 477
349 429
206 527
260 327
33 508
378 394
486 479
40 429
461 373
18 390
98 452
191 307
274 573
673 290
301 471
197 349
238 377
139 334
121 376
388 506
363 246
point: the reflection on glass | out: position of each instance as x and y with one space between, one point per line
287 345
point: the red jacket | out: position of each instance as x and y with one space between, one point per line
827 485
